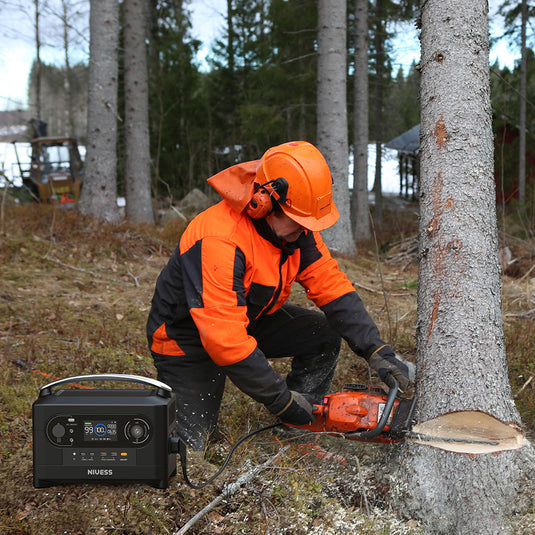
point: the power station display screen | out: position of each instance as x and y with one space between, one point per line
100 431
92 430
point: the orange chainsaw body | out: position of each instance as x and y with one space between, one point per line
355 409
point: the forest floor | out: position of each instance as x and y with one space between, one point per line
74 297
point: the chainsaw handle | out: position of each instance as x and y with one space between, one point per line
378 429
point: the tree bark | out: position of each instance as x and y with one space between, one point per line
332 115
522 114
68 129
137 165
359 198
38 69
99 192
379 39
461 352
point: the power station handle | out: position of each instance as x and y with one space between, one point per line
163 389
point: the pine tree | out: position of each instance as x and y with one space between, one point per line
179 129
359 199
332 115
99 193
461 351
137 153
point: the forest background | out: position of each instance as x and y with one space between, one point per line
255 87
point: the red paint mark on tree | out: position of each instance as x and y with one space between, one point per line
440 252
441 134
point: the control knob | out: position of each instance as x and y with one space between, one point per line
137 430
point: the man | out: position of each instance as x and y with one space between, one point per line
219 307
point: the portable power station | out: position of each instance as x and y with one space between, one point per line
104 435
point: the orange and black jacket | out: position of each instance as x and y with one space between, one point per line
228 270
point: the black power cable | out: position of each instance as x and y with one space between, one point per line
179 446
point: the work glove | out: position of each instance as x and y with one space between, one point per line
298 411
388 366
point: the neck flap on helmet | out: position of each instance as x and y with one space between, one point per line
236 184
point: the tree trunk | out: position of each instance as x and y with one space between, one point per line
68 129
137 164
332 115
379 39
522 118
231 59
461 352
359 199
37 61
99 192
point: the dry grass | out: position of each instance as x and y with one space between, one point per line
74 296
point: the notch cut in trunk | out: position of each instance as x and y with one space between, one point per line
469 432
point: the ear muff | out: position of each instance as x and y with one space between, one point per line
262 202
260 205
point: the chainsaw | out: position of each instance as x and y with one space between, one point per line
357 412
363 412
366 413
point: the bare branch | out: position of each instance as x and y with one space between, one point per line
229 490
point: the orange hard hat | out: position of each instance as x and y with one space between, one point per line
306 192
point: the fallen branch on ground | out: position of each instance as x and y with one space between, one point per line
229 490
523 387
373 291
527 314
62 264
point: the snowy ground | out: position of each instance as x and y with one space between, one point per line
8 160
390 168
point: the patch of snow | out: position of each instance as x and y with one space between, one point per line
13 130
389 169
8 161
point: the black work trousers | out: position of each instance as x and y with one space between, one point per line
292 331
